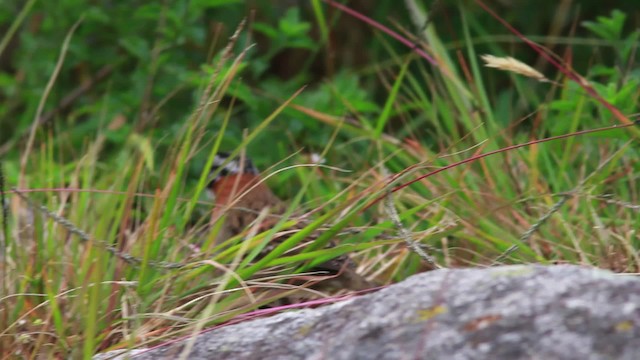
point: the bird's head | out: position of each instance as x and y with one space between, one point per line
224 166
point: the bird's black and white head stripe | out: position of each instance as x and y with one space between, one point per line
223 166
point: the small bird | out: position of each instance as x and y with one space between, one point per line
240 196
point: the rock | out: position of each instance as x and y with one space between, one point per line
510 312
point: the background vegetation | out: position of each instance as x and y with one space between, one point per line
110 112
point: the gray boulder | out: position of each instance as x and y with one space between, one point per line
510 312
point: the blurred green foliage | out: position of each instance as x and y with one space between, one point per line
146 64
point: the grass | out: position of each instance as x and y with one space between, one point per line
571 200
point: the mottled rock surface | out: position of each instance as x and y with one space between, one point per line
511 312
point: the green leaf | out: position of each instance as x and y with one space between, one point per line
608 28
136 46
266 29
388 106
204 4
143 144
291 25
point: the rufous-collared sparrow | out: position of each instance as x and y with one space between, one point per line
240 196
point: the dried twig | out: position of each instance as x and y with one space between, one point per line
128 258
405 234
608 198
5 215
526 236
4 280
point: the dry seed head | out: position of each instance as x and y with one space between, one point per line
510 64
